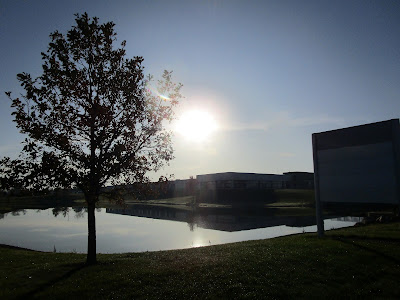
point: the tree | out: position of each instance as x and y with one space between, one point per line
92 118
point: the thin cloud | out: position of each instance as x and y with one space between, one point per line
284 120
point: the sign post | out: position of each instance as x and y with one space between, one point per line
318 205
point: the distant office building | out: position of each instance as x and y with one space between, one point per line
228 186
254 181
232 180
182 187
299 180
233 187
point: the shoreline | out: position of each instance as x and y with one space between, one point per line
20 248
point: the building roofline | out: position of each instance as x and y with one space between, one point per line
245 173
357 126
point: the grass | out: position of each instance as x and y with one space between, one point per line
352 263
11 203
285 198
293 198
186 200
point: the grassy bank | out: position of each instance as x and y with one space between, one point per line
352 262
293 197
283 198
11 203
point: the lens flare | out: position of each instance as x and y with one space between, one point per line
165 98
153 90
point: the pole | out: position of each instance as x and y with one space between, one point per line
318 206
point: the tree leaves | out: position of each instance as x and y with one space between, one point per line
91 118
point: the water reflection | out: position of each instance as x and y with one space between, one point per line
149 228
19 212
349 219
222 219
60 210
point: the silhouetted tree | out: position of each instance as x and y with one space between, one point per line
91 118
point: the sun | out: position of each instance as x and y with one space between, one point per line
196 125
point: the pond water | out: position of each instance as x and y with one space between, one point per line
141 228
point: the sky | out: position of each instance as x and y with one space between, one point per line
268 73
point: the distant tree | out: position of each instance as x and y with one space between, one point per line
91 118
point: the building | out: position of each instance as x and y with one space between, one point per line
233 186
233 180
299 180
239 188
254 181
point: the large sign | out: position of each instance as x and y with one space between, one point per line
358 164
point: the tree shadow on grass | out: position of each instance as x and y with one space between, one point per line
42 287
351 240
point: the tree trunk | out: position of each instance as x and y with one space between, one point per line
91 251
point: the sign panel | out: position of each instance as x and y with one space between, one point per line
358 164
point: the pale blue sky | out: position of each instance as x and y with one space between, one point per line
271 72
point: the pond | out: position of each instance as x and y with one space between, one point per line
149 228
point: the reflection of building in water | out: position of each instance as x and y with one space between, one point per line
216 219
153 212
349 219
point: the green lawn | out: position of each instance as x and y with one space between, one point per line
293 197
186 200
348 263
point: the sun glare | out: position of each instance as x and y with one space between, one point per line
196 125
